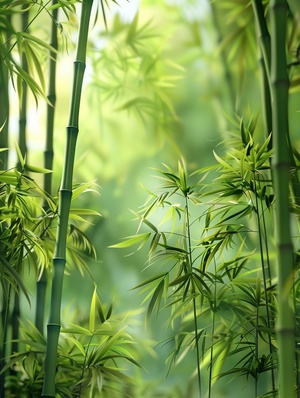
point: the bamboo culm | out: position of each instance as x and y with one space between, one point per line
264 42
65 194
281 173
48 162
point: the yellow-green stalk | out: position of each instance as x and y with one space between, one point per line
65 194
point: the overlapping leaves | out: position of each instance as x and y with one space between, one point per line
206 265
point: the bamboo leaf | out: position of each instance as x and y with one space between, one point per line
132 240
76 329
16 277
150 280
35 169
78 345
93 311
156 298
20 156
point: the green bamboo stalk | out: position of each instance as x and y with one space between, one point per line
23 105
227 73
65 194
4 118
265 264
214 306
23 148
48 162
189 245
4 115
281 173
264 42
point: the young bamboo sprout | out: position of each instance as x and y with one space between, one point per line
59 259
281 172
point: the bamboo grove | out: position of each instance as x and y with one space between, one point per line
216 251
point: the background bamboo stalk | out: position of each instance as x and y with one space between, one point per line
23 149
4 123
264 42
265 267
227 72
23 105
281 173
48 161
65 194
4 115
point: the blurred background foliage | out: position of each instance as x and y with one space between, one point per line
161 81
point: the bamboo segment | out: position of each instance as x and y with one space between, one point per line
4 115
264 42
263 33
23 105
281 173
65 194
48 162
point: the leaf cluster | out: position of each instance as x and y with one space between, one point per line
28 231
132 71
202 231
89 357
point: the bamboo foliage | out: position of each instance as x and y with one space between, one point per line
195 276
59 259
209 233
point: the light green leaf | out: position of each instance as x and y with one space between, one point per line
35 169
78 345
76 329
15 276
20 156
132 240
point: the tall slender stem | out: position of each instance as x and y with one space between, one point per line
227 73
281 173
23 148
194 299
4 115
4 123
48 162
260 214
65 194
213 331
264 43
23 105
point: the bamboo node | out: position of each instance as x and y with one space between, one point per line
285 331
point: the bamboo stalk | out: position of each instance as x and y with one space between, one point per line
4 115
264 42
4 118
265 266
48 162
226 69
65 194
23 105
23 148
281 173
